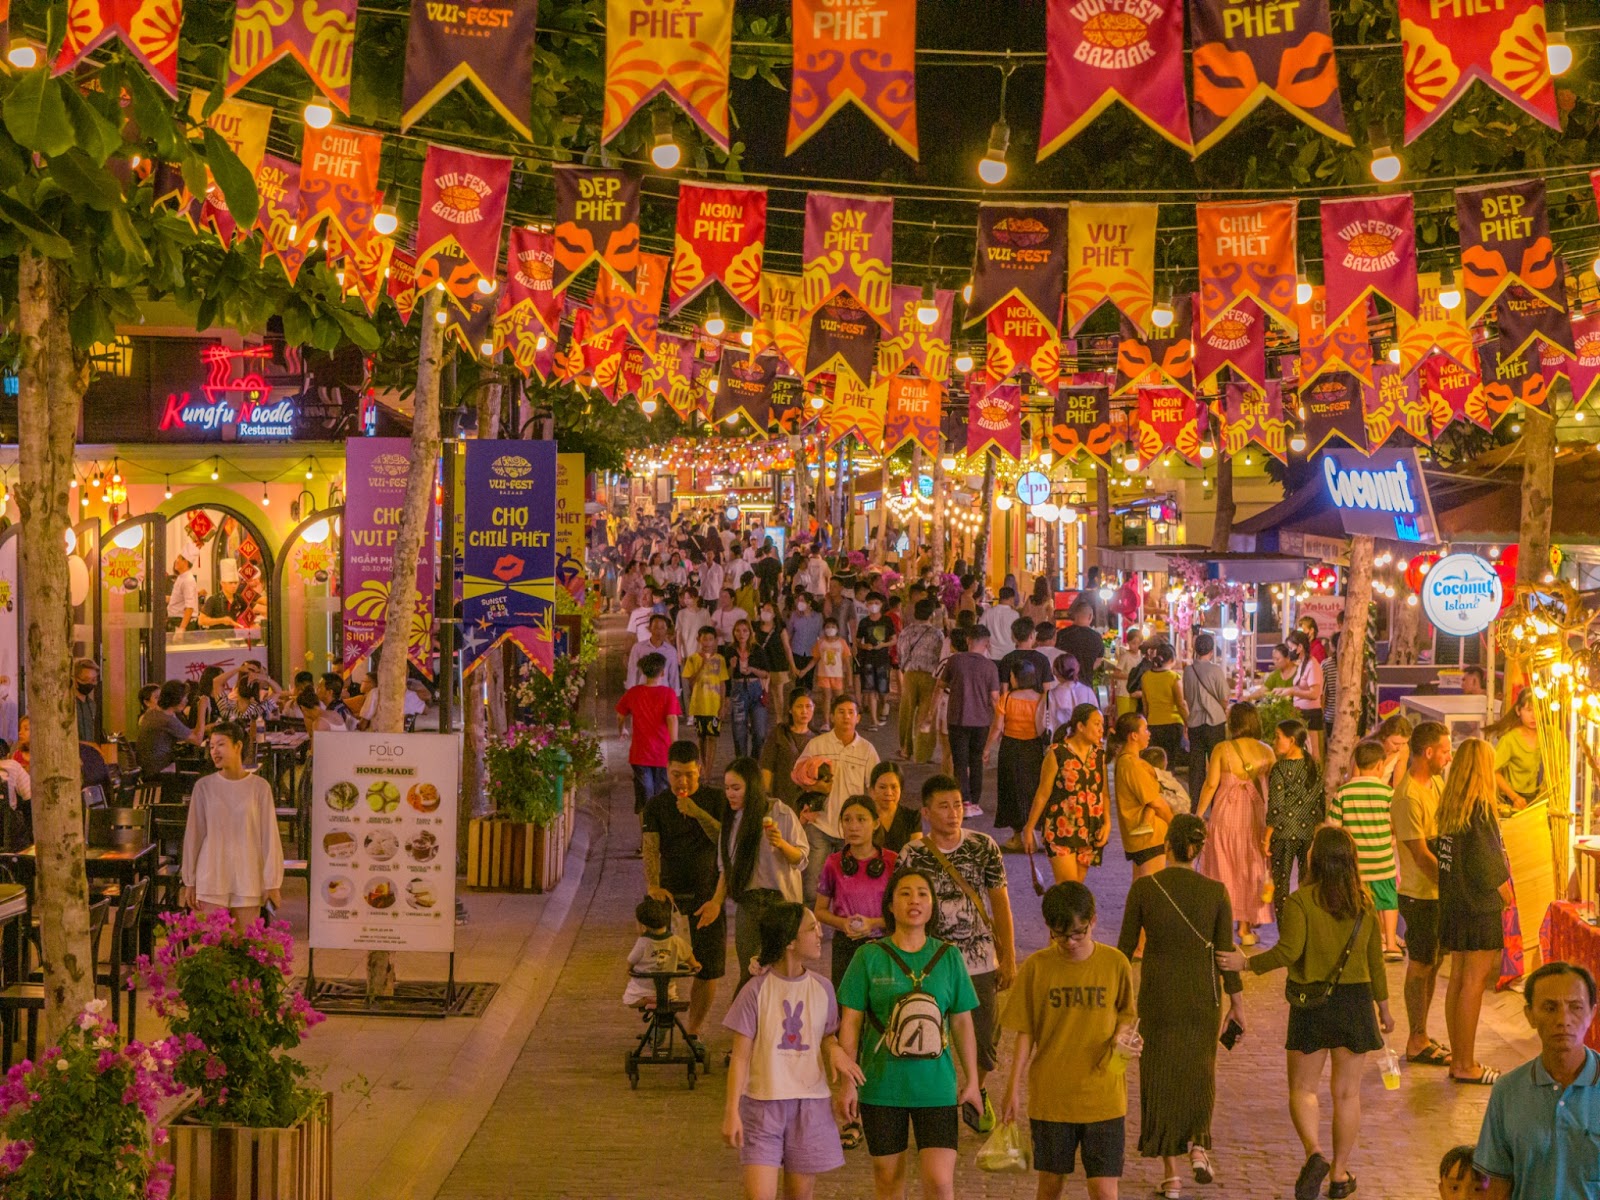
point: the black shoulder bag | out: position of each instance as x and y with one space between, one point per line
1315 993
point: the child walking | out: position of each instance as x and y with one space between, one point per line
832 655
1295 807
705 674
853 881
653 710
785 1024
657 950
232 854
1361 806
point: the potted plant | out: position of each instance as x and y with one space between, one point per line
256 1131
78 1123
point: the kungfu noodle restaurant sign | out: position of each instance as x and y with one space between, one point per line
383 841
1381 495
236 397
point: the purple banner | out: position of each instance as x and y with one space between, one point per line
509 559
375 473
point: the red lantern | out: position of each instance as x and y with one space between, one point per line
1506 567
1322 578
1418 567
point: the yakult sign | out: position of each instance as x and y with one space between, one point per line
1462 594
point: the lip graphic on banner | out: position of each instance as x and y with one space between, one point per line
1334 407
1447 46
864 53
375 473
1246 53
913 413
844 339
848 246
994 418
721 236
1252 414
1510 379
1369 247
1505 239
1161 357
680 50
1111 256
509 562
1237 340
1247 249
488 43
320 35
1100 53
597 220
924 347
1082 423
463 200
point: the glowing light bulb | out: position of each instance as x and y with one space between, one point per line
1131 463
308 472
486 285
993 168
265 499
1394 353
23 57
649 407
318 115
733 418
1557 54
948 462
747 337
386 221
541 342
1449 293
486 348
966 292
927 307
441 317
1162 316
963 363
1385 164
1003 503
214 475
1302 291
665 152
715 325
1298 443
1207 450
818 402
294 232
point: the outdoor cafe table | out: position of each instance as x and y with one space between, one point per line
119 864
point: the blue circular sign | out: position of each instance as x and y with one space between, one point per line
1033 488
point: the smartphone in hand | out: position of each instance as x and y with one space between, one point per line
1231 1032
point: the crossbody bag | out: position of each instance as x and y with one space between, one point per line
966 888
1211 947
1315 993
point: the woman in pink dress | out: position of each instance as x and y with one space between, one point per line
1236 784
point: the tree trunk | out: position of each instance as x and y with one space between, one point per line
50 387
1538 491
938 538
802 480
1102 515
1352 652
1222 522
980 552
914 530
484 682
403 595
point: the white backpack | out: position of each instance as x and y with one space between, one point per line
915 1028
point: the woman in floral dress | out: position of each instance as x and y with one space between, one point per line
1072 798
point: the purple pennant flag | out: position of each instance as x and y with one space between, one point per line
1252 414
994 418
843 335
1237 340
1334 407
488 43
849 246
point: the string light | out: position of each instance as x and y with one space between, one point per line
1385 162
1557 54
309 464
214 475
386 221
715 325
486 285
168 492
441 317
265 499
1161 315
665 152
993 169
928 306
486 348
23 56
648 407
963 362
318 115
1449 293
116 470
1297 443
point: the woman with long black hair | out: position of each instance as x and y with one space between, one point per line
762 854
1072 799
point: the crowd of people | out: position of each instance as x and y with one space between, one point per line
807 837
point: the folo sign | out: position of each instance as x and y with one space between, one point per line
1461 594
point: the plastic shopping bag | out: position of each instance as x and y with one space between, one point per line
1008 1149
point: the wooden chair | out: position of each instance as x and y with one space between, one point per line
124 950
28 995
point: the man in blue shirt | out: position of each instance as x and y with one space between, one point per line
1539 1133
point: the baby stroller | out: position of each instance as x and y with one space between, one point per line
665 1042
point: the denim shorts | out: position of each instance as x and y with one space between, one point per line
875 678
798 1136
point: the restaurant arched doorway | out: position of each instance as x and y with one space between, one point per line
308 594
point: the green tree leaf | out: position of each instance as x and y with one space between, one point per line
40 234
356 327
36 114
237 184
90 322
84 180
94 133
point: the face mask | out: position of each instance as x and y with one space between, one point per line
830 631
801 606
766 614
874 609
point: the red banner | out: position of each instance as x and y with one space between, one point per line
1453 392
147 28
278 184
1448 45
338 181
926 348
1167 419
863 53
1020 341
402 284
1583 368
636 309
463 200
721 235
1393 401
1369 247
1238 340
1246 249
530 270
913 413
994 418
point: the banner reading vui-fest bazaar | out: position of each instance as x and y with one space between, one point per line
376 471
510 553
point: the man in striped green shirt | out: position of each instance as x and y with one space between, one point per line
1362 807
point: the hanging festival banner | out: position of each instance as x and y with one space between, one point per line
1081 423
375 486
1334 408
278 185
913 413
1510 379
1505 239
864 53
366 268
529 297
1435 327
1238 340
1252 414
243 125
744 386
994 418
1111 255
1455 390
1369 247
1021 254
597 220
1246 249
402 284
848 247
509 559
1167 418
468 313
1097 54
338 182
721 234
320 35
915 345
844 340
680 49
856 410
1161 357
464 201
148 30
1448 45
782 326
790 412
636 309
488 43
1020 340
1583 367
1390 401
1347 346
1250 52
1524 317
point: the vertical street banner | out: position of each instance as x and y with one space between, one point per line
1019 339
1246 249
1446 46
1081 424
402 284
1525 318
913 345
1161 357
636 309
1453 391
863 53
243 125
1167 419
1392 401
375 481
320 35
1098 54
1334 408
597 220
913 413
1505 239
1253 414
744 387
844 339
1583 368
1021 255
464 201
488 43
721 236
1345 346
509 557
382 864
856 410
782 326
1369 248
570 521
278 185
1111 255
1435 327
528 308
1511 379
848 247
338 181
1245 53
994 418
148 30
681 50
1238 341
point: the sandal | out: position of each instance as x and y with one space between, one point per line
1431 1055
1170 1188
1484 1078
852 1135
1200 1163
1338 1189
1308 1184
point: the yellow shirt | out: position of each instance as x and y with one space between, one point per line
1071 1011
1137 789
708 673
1160 690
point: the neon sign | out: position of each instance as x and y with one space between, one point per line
1382 494
242 402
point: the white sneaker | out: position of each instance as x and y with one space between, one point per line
973 810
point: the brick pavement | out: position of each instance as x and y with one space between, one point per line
565 1124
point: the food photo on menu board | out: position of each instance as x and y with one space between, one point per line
383 826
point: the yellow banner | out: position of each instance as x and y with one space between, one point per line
682 49
1111 255
857 409
783 324
241 124
1435 326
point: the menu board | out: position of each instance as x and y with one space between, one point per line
383 841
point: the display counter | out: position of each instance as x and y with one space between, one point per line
191 652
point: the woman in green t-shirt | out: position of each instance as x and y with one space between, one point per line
1517 763
902 1094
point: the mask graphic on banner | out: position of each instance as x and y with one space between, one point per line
1369 246
913 413
488 43
1082 423
1510 379
1252 414
338 182
1238 340
848 246
1246 249
1447 46
1347 346
320 36
994 418
681 50
864 53
637 309
509 560
597 220
1101 53
721 235
1162 357
1111 256
915 345
376 470
1505 239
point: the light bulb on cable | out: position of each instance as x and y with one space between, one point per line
1302 290
541 342
486 348
948 462
1297 443
1557 54
1207 450
1394 353
1002 502
648 406
441 317
318 115
1131 462
665 152
993 167
1385 162
1449 293
963 363
386 221
23 57
214 475
1162 316
747 337
927 307
966 292
486 286
715 325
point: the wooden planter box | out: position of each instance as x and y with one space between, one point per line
517 856
235 1162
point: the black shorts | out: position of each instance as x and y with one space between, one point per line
710 945
1422 929
1143 856
1312 718
875 678
1056 1145
888 1128
1347 1021
709 726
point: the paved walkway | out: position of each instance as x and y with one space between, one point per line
565 1123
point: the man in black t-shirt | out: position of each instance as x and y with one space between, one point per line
682 829
1082 641
769 571
1022 633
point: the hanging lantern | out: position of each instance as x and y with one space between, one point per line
1418 567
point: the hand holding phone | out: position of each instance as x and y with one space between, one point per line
1231 1033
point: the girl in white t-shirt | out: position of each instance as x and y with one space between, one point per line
785 1023
232 854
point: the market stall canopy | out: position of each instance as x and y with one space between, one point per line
1488 507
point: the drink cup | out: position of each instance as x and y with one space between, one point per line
1389 1064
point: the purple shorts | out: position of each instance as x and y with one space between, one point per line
797 1135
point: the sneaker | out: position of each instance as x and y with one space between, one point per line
973 811
987 1121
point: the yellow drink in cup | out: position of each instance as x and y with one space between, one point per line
1389 1064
